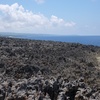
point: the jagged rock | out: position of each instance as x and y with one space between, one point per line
46 70
30 89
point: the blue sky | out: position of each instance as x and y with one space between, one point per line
60 17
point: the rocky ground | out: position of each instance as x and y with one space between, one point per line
47 70
40 88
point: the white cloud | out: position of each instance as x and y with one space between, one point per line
39 1
16 19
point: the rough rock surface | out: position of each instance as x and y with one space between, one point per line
39 88
47 70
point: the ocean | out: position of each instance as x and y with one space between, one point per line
87 40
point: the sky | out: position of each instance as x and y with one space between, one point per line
57 17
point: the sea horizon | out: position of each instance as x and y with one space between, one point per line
82 39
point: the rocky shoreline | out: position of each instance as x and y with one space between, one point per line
47 70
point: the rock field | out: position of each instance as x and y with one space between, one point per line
47 70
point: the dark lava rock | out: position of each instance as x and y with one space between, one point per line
20 58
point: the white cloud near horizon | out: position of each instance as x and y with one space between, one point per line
14 18
39 1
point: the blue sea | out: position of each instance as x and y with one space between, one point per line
88 40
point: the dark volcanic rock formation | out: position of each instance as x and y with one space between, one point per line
40 88
24 60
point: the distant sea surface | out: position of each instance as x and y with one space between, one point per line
88 40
